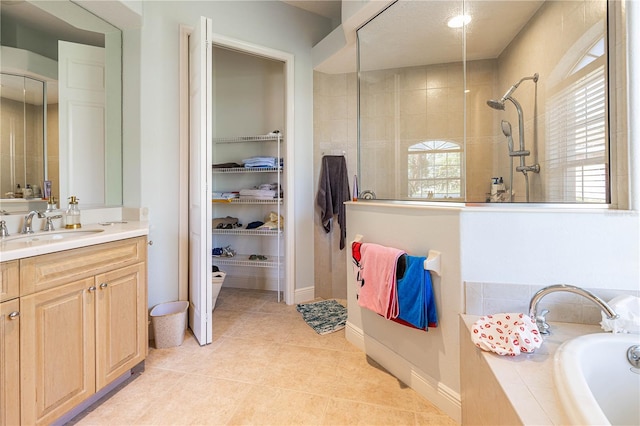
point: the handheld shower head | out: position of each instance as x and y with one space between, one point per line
506 130
496 104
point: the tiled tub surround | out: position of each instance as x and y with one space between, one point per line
492 298
513 390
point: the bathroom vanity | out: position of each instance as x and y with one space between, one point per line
73 319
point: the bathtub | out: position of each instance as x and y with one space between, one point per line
595 382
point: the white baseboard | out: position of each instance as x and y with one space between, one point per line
437 393
304 294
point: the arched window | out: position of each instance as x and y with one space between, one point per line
434 169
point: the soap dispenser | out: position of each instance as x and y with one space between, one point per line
72 215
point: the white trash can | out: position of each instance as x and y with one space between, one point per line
169 321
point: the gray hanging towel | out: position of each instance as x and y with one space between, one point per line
333 191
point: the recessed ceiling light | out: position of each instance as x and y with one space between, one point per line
459 21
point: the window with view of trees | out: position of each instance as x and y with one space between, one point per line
435 170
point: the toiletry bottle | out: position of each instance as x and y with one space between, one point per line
18 193
494 186
72 215
51 204
355 188
27 193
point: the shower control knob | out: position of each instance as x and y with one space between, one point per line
633 355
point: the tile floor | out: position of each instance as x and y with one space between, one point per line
266 366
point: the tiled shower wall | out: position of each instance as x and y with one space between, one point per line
335 125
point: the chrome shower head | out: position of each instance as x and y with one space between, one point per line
496 104
500 104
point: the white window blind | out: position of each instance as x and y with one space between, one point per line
576 140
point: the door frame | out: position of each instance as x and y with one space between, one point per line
183 191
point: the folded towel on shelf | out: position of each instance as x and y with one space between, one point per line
224 196
261 162
263 194
226 165
416 301
378 291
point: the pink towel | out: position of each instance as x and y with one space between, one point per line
378 292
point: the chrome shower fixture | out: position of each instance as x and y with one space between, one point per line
506 130
500 104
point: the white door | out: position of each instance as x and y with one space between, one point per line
82 115
200 139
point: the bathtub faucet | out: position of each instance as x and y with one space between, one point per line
540 319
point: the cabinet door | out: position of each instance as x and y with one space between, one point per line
121 322
57 343
9 280
9 363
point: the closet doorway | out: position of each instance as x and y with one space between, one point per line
232 118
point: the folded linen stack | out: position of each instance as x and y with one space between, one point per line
257 194
264 162
224 196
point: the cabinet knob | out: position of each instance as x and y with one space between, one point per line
104 285
92 288
14 315
150 242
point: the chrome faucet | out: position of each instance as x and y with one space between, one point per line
26 226
48 226
4 232
540 319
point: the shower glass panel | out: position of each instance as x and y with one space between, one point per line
22 115
411 103
510 105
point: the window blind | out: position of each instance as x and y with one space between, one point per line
576 141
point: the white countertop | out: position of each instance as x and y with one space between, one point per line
527 379
110 231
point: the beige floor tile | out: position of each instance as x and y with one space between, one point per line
266 366
340 412
196 400
267 405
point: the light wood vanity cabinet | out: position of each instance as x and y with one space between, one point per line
9 280
9 362
83 324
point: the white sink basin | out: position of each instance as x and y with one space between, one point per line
45 237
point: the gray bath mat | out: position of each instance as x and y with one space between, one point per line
325 316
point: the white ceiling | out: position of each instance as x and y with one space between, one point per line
328 8
33 17
412 33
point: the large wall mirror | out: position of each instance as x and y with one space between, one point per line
61 108
486 101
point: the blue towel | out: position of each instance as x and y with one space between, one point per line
416 300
